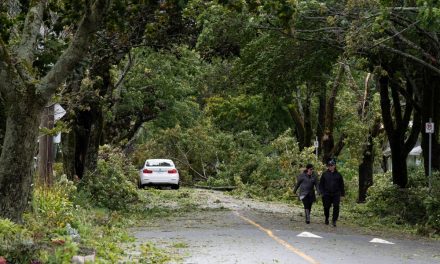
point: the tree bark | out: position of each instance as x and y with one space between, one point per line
45 152
366 170
308 120
366 166
431 109
328 141
396 129
25 98
299 125
399 166
321 116
17 158
88 125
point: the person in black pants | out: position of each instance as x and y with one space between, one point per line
331 186
307 182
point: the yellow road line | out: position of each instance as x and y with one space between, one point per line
279 240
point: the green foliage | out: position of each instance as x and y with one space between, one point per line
54 204
413 205
223 31
161 85
218 158
151 254
276 170
242 113
59 253
195 159
113 184
16 244
46 234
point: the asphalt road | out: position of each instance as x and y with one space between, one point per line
262 233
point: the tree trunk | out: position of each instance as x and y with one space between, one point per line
366 167
68 147
328 141
25 96
17 158
398 162
307 121
87 134
431 109
366 171
321 116
401 142
299 125
45 153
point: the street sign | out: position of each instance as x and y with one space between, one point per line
316 144
429 127
57 138
58 112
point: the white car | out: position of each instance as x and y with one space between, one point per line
159 172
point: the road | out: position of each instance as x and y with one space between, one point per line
247 231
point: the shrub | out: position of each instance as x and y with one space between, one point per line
413 205
16 244
113 183
53 205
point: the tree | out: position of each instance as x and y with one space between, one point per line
405 54
396 122
94 96
26 92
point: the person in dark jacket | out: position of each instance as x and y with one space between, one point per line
331 186
306 182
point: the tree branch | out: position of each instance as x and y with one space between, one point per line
76 50
409 56
395 33
412 45
385 105
409 107
125 72
365 97
398 20
394 85
331 103
32 25
7 75
415 131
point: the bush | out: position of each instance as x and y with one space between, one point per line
16 244
113 184
54 205
413 205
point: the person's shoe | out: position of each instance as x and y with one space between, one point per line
307 211
326 221
334 223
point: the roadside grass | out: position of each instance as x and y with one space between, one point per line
356 216
57 228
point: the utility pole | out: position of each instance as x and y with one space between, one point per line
45 146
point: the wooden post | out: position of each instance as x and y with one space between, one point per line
45 153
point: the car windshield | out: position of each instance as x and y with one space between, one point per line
158 164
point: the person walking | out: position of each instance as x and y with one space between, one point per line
306 182
331 186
